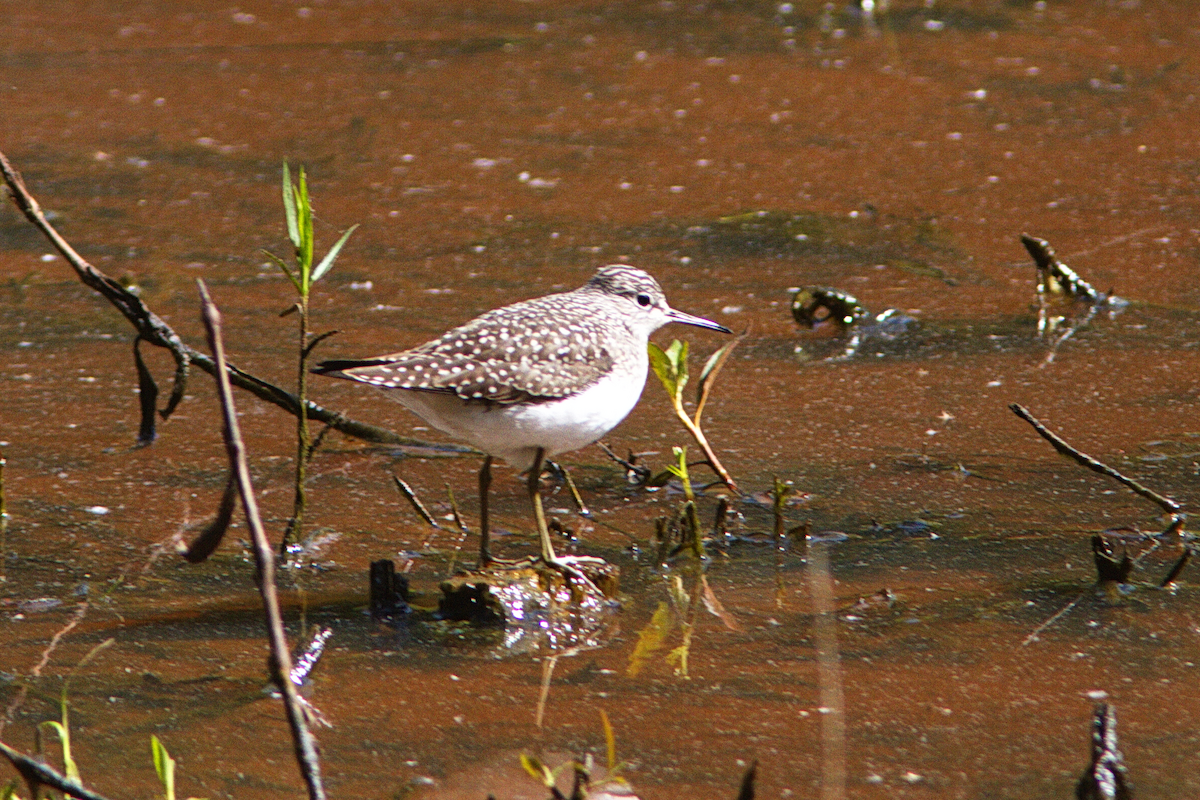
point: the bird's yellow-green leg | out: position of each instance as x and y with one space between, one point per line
535 497
485 483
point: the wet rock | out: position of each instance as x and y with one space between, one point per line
536 605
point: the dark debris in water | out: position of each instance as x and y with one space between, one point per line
1066 302
1106 777
833 313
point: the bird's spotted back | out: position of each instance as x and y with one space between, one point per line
548 347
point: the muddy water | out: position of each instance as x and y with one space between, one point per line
498 151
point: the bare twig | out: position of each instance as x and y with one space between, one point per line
1083 459
36 672
280 662
415 501
153 330
1033 637
37 775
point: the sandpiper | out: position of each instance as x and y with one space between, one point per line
531 380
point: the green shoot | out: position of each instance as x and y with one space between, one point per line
691 522
610 743
63 731
164 765
671 367
549 777
614 767
298 215
680 470
62 727
780 492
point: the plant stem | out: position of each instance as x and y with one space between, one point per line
709 456
295 526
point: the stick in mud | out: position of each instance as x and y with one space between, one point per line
37 775
1083 459
280 662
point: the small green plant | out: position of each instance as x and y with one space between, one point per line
671 367
583 771
692 537
299 215
164 765
62 726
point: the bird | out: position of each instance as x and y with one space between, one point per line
531 380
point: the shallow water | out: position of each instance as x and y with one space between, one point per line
495 152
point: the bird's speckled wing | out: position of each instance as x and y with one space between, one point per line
521 353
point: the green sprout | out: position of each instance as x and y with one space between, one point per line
62 726
164 765
671 367
298 212
687 515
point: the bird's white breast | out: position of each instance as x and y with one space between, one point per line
515 431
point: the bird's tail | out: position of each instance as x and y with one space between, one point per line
338 367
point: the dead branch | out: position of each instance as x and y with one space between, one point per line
37 775
1083 459
280 662
153 330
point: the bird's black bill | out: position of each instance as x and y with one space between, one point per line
699 322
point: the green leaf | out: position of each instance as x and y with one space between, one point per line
306 229
679 595
289 207
9 792
678 353
537 770
708 375
64 737
679 659
610 742
164 765
286 270
662 367
714 364
332 255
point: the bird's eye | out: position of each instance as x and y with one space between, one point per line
643 300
